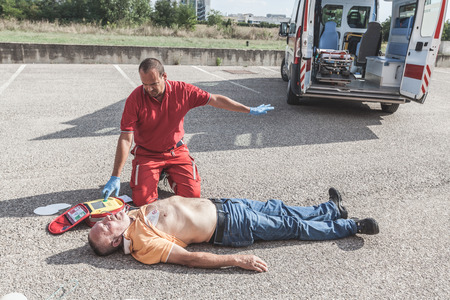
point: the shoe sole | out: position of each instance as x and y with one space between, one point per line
336 196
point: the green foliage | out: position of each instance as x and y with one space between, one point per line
18 9
132 12
268 25
140 12
385 28
186 17
446 31
113 13
214 18
260 25
115 10
171 15
243 24
163 14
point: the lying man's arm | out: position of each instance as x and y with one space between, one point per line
181 256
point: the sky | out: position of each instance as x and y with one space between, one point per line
284 7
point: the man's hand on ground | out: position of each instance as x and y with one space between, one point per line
252 262
260 110
112 185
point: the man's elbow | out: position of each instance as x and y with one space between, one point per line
192 260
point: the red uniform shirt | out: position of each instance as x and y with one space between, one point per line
158 126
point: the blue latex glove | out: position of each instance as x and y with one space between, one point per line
112 185
260 110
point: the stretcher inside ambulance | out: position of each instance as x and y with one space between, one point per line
334 51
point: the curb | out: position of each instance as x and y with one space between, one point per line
27 53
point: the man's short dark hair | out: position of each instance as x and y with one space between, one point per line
100 251
150 64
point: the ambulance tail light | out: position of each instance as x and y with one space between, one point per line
298 49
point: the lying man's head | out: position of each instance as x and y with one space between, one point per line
106 236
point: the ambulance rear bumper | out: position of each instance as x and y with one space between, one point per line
355 95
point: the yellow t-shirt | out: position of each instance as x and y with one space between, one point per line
145 242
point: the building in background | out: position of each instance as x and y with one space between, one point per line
252 19
202 7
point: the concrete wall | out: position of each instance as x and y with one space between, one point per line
91 54
24 53
444 48
443 59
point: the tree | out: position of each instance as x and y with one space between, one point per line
115 10
446 31
385 28
186 17
140 11
170 14
163 15
214 18
16 8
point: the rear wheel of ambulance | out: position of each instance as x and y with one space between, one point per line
284 70
292 98
389 108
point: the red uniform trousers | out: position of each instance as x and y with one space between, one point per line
177 163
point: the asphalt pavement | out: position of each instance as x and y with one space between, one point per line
59 127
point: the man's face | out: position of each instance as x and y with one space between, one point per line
154 84
108 231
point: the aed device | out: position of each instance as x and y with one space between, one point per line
91 212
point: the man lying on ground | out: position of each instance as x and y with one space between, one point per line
160 231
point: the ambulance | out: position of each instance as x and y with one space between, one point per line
334 51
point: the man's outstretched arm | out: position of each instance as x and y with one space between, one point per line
223 102
181 256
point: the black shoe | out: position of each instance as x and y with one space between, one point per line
367 226
335 197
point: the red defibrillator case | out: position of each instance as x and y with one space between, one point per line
90 212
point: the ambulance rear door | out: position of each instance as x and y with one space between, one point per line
309 16
423 48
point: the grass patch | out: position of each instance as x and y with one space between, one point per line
233 37
125 40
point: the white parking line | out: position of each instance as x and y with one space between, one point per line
268 69
6 84
247 88
125 76
439 71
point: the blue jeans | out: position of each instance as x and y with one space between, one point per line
248 221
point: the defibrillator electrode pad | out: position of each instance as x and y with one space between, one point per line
91 212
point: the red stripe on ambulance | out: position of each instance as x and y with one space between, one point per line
305 17
441 18
414 71
426 79
302 75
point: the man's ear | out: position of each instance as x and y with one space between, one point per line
117 240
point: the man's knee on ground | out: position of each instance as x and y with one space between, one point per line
188 191
139 199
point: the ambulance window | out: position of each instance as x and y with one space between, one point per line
294 18
332 13
430 17
405 16
358 16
